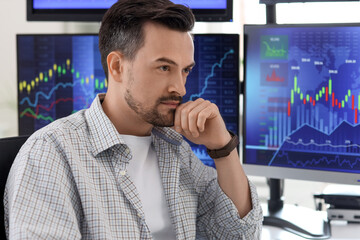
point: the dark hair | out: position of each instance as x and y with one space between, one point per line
122 25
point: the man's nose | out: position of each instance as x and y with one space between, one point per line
178 84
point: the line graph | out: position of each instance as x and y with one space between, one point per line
324 160
273 52
44 95
219 65
48 95
274 46
35 114
31 114
312 143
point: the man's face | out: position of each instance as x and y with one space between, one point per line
155 79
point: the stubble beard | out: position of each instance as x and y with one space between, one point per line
152 115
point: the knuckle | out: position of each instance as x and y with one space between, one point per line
213 105
192 115
185 111
202 115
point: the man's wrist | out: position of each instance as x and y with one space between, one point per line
226 150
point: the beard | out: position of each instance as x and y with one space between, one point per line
151 114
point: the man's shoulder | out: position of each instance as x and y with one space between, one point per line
62 128
72 122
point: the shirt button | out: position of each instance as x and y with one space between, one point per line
139 215
127 150
122 173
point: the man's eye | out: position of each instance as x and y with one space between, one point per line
187 70
165 68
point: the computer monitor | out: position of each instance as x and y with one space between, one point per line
61 74
84 10
302 102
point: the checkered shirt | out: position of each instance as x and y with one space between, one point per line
69 181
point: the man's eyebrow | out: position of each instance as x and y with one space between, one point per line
169 61
191 65
166 60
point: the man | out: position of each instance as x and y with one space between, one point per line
120 169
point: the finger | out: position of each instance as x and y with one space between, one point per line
177 118
194 126
187 116
209 111
196 108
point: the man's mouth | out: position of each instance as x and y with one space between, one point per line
171 104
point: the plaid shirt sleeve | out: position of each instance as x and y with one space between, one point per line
217 216
42 195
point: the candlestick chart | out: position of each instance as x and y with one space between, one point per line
57 75
303 98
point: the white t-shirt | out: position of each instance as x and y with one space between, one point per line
143 170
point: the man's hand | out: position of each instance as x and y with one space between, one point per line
201 123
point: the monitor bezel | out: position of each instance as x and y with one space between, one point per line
286 172
96 15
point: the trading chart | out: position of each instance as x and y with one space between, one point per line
303 97
215 77
57 75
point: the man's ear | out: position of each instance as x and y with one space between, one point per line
115 62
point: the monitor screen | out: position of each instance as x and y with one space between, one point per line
83 10
302 102
61 74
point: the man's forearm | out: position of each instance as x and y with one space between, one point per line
233 182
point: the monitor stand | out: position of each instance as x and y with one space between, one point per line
304 222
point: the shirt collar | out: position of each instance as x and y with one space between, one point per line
168 134
103 134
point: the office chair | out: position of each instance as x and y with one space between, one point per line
9 147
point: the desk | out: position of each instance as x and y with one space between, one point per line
339 230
